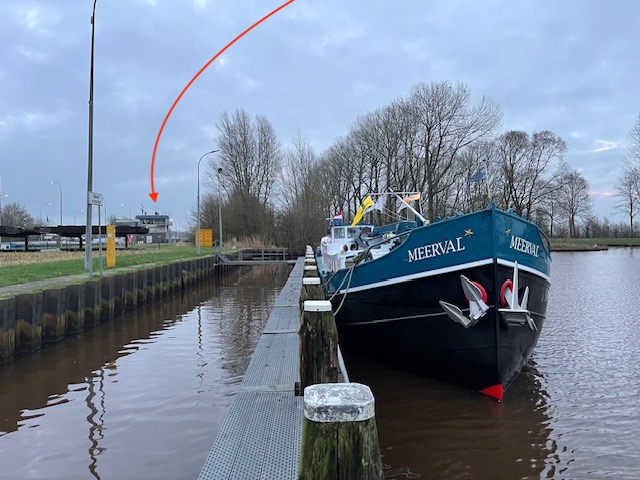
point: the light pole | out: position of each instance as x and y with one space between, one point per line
88 265
76 212
220 208
43 205
1 195
128 208
198 201
60 187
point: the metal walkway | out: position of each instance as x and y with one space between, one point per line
260 438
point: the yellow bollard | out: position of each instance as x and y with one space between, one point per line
111 245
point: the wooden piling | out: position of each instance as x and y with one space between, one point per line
107 297
318 344
311 290
131 296
339 434
7 330
310 271
28 322
74 314
54 323
92 303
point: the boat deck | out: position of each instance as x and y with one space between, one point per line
260 438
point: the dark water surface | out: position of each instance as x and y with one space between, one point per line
573 413
143 397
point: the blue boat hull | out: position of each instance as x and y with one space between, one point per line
391 310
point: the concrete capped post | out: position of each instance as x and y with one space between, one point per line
310 271
339 434
311 290
318 344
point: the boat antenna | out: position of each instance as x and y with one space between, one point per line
487 179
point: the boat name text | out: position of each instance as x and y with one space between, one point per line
436 249
524 246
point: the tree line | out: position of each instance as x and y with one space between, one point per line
432 140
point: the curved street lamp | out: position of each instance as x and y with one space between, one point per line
76 212
198 228
41 206
128 208
60 187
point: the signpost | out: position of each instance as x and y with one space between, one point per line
94 198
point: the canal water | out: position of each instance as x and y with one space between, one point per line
145 396
573 413
142 397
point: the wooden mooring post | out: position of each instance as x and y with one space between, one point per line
339 434
318 344
311 290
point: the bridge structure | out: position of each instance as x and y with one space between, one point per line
257 256
69 231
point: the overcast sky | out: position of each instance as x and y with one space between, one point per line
571 66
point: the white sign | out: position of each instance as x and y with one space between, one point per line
95 198
436 249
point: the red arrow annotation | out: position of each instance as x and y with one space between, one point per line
154 194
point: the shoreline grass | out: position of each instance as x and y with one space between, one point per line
591 244
36 266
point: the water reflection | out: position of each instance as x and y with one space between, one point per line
437 430
140 397
573 413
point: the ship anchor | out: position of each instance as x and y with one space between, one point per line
477 306
517 314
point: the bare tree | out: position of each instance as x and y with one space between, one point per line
250 160
16 215
574 200
634 141
528 166
628 187
303 200
447 123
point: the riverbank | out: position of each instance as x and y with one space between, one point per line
591 244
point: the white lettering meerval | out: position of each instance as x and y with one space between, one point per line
436 249
524 246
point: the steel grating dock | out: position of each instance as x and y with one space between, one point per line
260 439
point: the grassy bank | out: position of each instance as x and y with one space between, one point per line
587 244
23 267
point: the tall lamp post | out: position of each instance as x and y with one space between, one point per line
128 208
1 195
198 201
76 212
88 265
60 187
220 208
